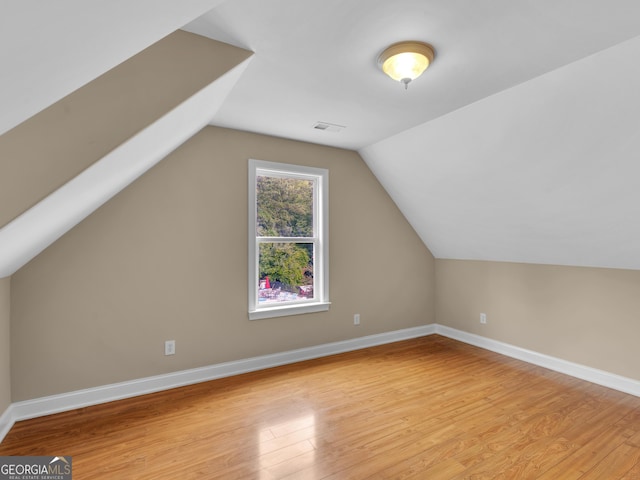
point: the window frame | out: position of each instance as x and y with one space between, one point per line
320 240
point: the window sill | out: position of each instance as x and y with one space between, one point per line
288 310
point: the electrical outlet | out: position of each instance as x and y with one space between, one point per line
170 347
356 319
483 318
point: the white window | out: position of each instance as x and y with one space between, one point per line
288 239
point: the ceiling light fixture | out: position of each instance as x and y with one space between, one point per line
405 61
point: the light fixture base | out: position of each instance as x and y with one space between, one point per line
406 61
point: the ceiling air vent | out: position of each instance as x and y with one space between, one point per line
328 127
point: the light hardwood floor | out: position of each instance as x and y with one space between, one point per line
429 408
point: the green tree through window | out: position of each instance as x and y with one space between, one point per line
285 209
287 264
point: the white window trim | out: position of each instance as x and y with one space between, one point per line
321 260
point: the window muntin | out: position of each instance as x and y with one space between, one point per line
288 251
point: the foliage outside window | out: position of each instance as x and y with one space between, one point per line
288 251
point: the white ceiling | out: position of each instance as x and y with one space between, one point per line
545 172
316 61
518 144
521 142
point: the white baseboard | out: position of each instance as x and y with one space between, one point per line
593 375
6 422
93 396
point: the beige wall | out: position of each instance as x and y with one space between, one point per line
5 345
167 259
590 316
52 147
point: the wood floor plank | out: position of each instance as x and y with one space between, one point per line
618 463
428 408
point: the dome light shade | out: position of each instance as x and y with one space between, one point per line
406 61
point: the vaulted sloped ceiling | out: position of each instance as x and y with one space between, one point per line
545 172
63 163
518 144
50 49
